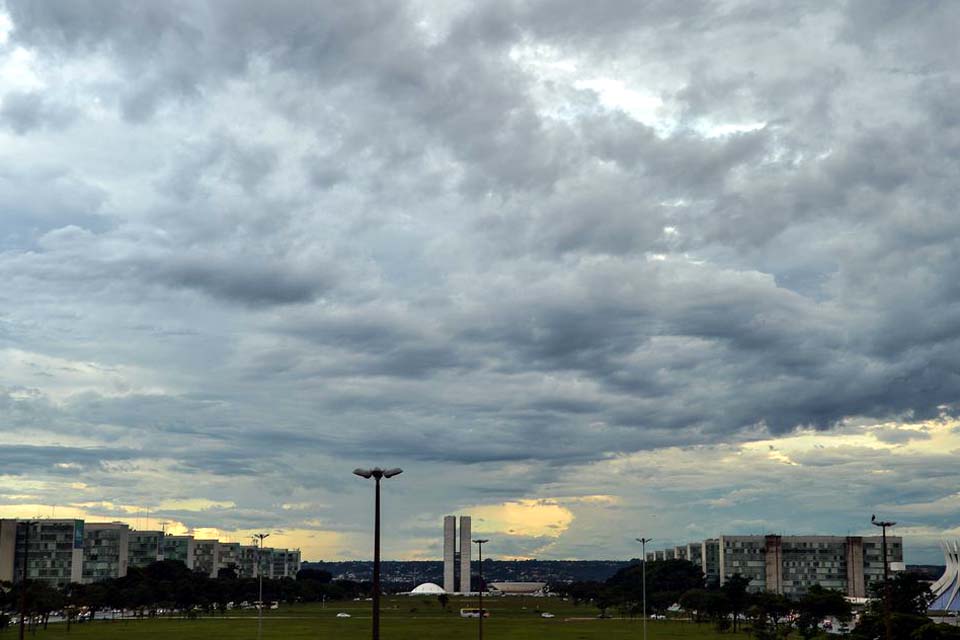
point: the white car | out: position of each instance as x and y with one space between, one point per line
343 615
547 615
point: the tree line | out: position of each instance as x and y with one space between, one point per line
166 588
673 585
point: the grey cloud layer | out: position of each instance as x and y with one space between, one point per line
379 229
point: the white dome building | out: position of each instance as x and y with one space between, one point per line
428 589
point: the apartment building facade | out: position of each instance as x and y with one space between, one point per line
146 547
106 551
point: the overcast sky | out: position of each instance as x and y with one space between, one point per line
585 270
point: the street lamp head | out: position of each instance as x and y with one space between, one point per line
481 541
378 473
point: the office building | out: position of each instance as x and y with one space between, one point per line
466 548
106 548
179 548
228 557
146 547
284 563
694 554
790 565
456 563
710 560
55 551
205 556
449 553
290 560
70 551
249 555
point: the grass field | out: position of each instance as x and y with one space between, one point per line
403 618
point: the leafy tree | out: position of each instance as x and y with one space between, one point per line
817 604
227 573
767 613
667 580
704 604
931 631
909 600
735 590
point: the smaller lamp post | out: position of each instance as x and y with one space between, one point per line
643 546
260 537
886 575
482 585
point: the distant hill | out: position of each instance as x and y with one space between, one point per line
930 572
413 572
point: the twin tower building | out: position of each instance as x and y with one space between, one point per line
452 558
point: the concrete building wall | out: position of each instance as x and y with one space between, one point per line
773 564
8 549
449 553
856 587
466 548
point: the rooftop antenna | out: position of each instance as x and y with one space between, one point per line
163 527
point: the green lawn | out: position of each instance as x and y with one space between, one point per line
403 618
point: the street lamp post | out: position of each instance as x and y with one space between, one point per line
886 575
377 474
260 537
482 586
643 546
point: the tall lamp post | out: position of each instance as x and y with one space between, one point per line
482 586
260 537
377 474
886 575
643 545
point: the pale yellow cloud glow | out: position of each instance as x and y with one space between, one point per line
538 518
932 436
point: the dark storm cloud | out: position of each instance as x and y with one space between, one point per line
449 234
66 461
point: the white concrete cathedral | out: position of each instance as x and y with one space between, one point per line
947 589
